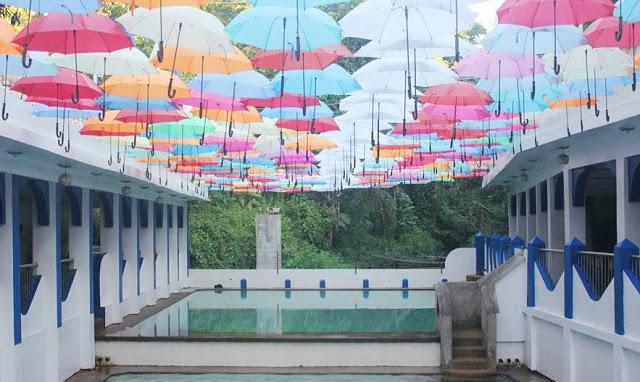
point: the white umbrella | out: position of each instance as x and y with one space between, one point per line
388 75
424 49
185 27
581 62
364 98
120 62
424 18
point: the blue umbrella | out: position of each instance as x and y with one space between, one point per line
41 66
42 111
249 84
48 6
320 111
266 28
194 149
117 102
332 80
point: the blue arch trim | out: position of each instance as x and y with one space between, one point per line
106 199
180 217
543 197
558 192
126 210
633 173
3 204
40 190
579 177
158 211
143 213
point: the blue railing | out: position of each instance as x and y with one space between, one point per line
494 250
595 270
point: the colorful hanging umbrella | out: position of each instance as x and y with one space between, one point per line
316 59
59 86
332 80
195 61
266 28
320 125
48 6
249 84
210 101
287 100
147 86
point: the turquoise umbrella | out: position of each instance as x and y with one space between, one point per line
332 80
266 28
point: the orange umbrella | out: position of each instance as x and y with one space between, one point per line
7 34
152 85
571 102
112 128
251 115
193 61
311 142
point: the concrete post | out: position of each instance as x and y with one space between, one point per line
269 240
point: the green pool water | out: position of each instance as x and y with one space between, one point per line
289 378
245 313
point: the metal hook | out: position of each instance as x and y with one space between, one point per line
135 140
103 113
110 161
5 115
556 66
26 62
620 25
171 92
75 96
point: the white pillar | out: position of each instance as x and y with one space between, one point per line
147 290
8 353
130 249
174 286
162 248
110 269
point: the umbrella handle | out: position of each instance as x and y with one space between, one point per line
606 115
409 85
524 122
58 132
595 109
620 28
60 138
499 109
75 96
633 84
415 108
556 66
201 140
533 90
304 106
121 170
200 112
160 53
588 100
581 125
103 113
110 161
298 50
118 157
282 86
147 174
171 92
67 148
26 61
5 115
135 140
147 131
153 150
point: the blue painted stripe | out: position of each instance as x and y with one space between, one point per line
91 265
16 182
58 198
532 258
570 254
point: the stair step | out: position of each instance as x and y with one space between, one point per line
469 351
466 373
473 277
468 337
469 363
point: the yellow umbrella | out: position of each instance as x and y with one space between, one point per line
6 36
193 61
154 85
311 142
110 126
251 115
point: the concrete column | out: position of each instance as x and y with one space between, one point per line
75 337
162 285
8 353
268 240
110 268
147 291
130 301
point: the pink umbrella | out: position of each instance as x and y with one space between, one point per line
486 65
293 158
69 33
54 86
83 104
540 13
220 140
205 101
287 100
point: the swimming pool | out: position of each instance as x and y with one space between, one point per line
288 378
209 313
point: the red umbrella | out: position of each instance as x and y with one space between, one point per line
155 116
287 100
457 94
321 125
54 86
316 59
83 104
540 13
69 33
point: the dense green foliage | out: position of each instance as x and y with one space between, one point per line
351 228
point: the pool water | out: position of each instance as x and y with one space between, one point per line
210 313
289 378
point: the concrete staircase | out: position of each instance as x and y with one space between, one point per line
469 354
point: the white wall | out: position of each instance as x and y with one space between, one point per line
310 278
511 296
271 354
